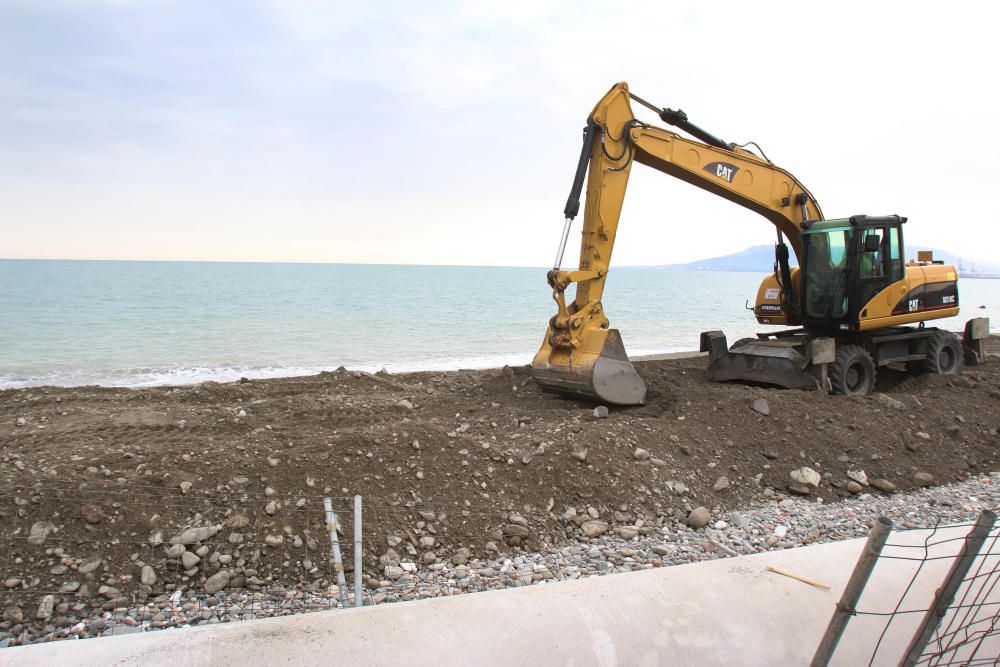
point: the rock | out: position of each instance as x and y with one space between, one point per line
238 521
89 565
923 479
404 405
92 514
680 488
429 558
771 454
922 435
627 532
854 487
594 527
699 517
600 412
39 531
858 476
663 549
427 542
194 535
461 556
218 581
518 519
393 540
21 421
799 489
147 575
640 454
392 572
45 608
176 550
189 559
761 406
721 484
884 485
579 454
515 530
274 541
13 614
889 401
806 476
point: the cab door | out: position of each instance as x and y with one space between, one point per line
879 265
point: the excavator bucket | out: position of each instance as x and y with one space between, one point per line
599 370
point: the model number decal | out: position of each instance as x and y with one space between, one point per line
771 293
723 170
950 298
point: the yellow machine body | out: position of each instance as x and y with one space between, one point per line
580 355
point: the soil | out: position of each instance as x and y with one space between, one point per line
112 474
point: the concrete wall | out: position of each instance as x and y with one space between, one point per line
724 612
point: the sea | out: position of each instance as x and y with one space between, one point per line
137 324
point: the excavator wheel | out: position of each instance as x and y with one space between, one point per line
853 372
944 354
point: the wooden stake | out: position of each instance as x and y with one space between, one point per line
798 578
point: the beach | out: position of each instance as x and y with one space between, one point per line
452 466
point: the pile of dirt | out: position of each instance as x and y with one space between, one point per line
103 486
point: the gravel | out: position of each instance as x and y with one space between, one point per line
780 523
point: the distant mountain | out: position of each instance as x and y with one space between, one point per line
760 259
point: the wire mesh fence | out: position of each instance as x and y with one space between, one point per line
929 597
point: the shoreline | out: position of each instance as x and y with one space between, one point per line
224 375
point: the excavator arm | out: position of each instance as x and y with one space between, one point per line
580 354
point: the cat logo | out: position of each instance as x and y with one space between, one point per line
723 170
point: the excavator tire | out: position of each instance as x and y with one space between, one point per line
944 354
741 342
853 372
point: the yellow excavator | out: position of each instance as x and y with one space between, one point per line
849 297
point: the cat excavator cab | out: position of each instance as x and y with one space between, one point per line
850 297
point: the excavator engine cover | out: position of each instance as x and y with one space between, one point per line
607 376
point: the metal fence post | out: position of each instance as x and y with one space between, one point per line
945 595
358 601
852 592
338 564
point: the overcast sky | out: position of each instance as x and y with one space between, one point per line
424 132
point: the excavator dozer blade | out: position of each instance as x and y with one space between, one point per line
604 374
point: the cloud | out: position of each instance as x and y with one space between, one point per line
429 132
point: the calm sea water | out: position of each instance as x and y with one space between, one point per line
147 323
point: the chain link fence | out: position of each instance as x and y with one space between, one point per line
923 596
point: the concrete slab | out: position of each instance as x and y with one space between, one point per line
724 612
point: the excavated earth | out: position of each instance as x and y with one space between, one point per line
116 495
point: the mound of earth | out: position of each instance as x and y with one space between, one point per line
115 495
